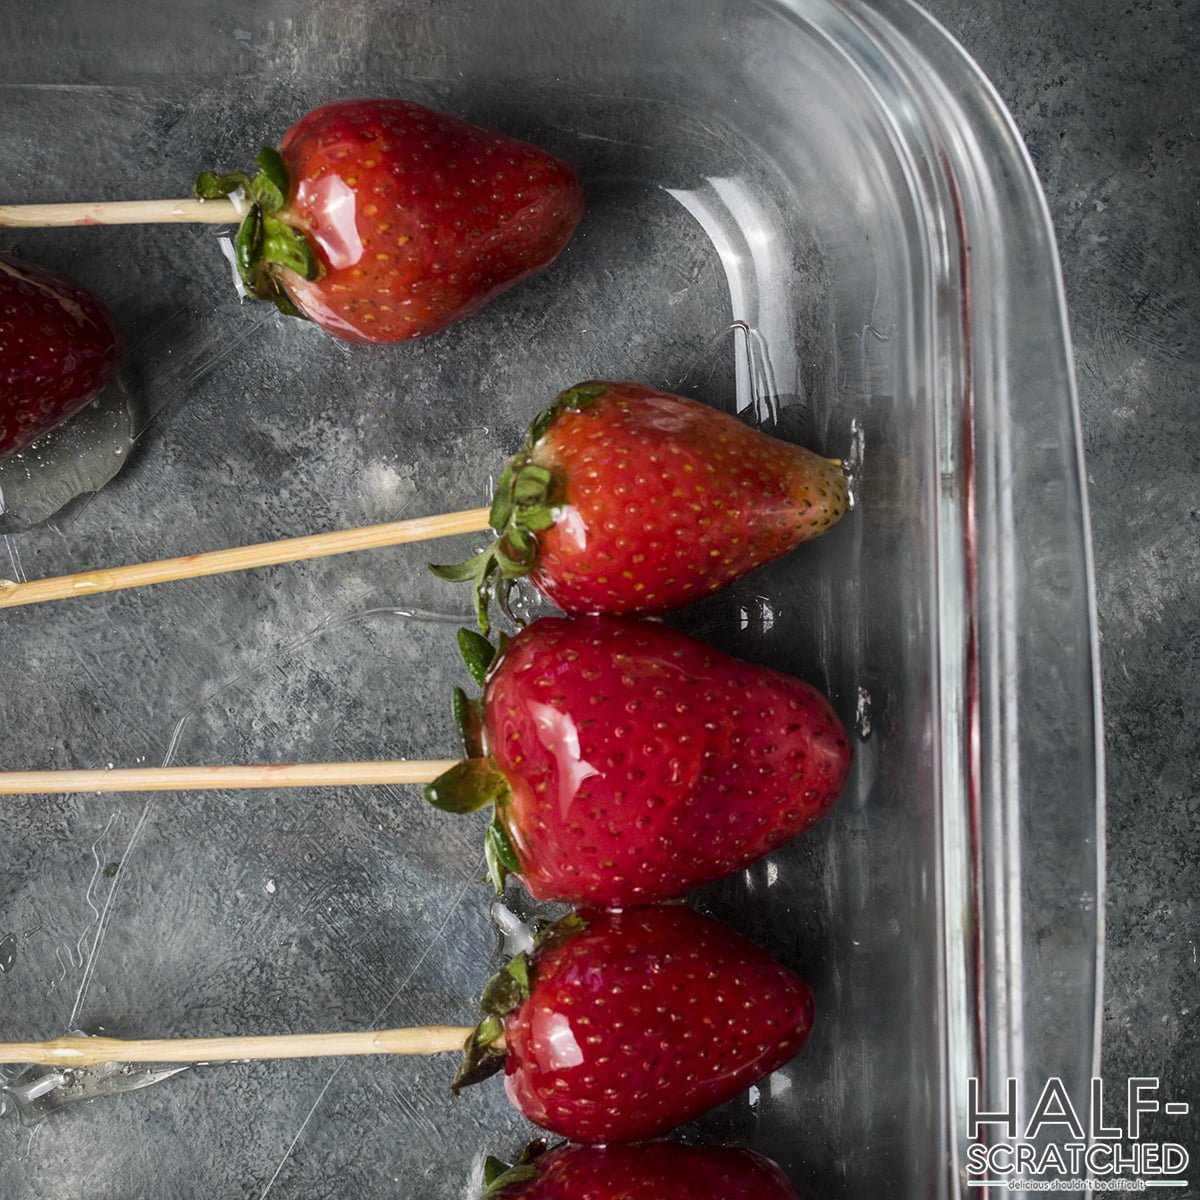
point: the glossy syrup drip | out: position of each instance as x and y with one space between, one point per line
35 1092
76 459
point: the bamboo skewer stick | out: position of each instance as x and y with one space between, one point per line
242 558
88 1051
120 212
270 775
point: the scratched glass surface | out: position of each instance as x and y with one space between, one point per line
766 231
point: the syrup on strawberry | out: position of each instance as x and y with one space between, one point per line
628 762
627 499
623 1025
382 220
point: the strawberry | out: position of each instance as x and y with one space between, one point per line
624 1025
58 349
653 1171
625 499
628 762
381 220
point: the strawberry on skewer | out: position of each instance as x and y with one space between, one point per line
619 1026
624 499
651 1171
627 499
627 762
624 1025
380 220
58 349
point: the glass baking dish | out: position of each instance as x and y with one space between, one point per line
814 213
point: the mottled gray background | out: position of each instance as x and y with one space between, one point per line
1106 94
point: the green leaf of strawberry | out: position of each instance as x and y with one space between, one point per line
501 1177
213 186
247 247
493 1169
483 1055
500 855
462 572
578 398
477 652
468 716
507 989
498 1176
467 787
283 246
509 1179
479 571
270 187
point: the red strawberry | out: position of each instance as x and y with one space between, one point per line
625 499
58 349
624 1025
628 762
382 220
654 1171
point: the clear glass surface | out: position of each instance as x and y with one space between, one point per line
812 213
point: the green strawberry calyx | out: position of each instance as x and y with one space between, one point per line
484 1052
264 242
504 993
499 1176
526 502
476 782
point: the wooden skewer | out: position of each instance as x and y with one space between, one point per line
241 558
88 1051
178 779
120 212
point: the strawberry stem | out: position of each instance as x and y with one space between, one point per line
484 1052
483 1055
503 994
264 242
